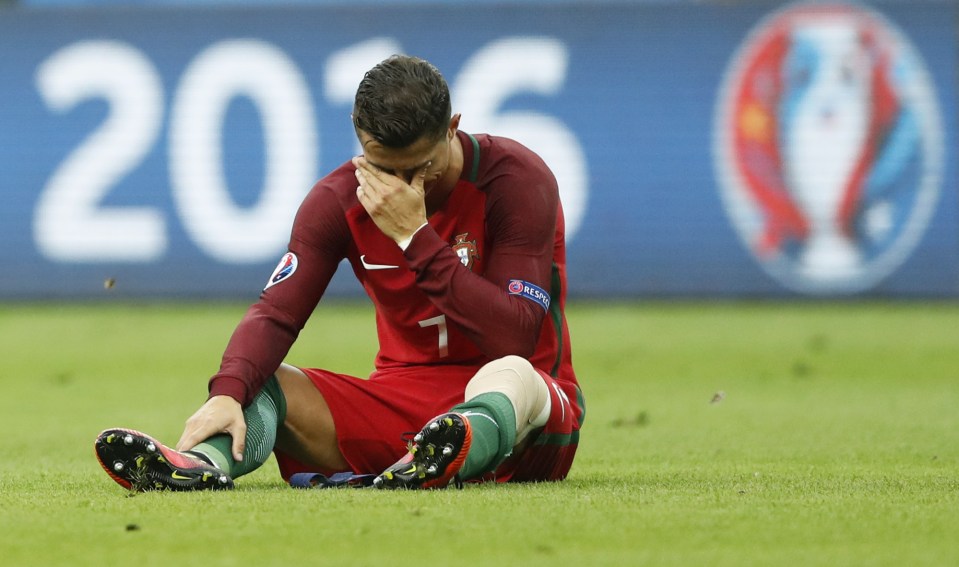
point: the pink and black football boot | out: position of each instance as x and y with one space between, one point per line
140 463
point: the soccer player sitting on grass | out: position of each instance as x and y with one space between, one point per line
458 240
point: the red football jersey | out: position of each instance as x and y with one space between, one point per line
485 278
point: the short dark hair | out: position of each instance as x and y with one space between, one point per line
401 100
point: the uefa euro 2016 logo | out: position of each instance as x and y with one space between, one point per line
828 147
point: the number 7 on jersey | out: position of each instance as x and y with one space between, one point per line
443 342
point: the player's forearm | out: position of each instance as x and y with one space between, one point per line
268 329
497 322
256 349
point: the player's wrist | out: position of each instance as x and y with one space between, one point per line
230 387
405 243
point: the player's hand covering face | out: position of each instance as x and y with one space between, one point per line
397 206
399 186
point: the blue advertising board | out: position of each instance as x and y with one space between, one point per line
702 150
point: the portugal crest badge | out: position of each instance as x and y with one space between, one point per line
465 249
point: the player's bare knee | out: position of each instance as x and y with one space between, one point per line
287 373
515 377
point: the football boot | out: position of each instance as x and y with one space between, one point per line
140 463
435 455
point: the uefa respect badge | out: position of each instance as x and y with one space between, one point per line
828 146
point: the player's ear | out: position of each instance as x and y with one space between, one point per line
454 126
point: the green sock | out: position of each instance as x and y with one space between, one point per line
493 422
263 416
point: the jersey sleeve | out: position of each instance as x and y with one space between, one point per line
521 216
270 326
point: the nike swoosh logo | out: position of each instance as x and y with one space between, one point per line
178 476
369 266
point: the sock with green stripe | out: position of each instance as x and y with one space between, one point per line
263 417
493 423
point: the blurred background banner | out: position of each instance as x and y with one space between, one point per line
703 149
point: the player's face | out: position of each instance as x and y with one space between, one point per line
406 162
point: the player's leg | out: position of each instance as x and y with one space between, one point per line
309 433
548 454
139 462
262 416
289 412
504 401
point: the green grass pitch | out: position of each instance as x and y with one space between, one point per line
716 434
